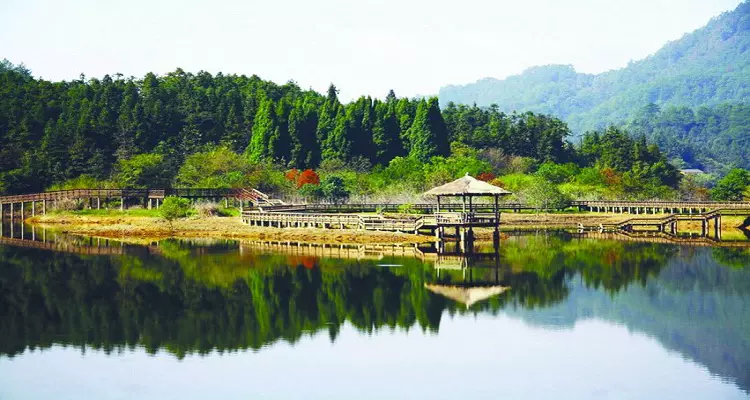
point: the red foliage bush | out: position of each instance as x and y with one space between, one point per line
291 175
486 176
307 177
611 177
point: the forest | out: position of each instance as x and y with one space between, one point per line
202 130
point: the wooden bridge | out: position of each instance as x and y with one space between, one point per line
374 222
657 207
710 220
25 204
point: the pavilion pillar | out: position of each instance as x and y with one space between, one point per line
44 207
33 208
497 213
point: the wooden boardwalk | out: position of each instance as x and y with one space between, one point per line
668 224
279 219
28 204
657 207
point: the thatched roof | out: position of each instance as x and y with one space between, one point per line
466 295
466 185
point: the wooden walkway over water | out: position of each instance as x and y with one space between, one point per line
710 221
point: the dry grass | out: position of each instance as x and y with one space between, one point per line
141 227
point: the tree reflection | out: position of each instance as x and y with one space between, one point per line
196 297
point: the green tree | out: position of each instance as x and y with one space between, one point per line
173 208
142 170
264 130
428 134
333 189
732 186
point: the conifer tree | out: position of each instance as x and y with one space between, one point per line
385 134
264 127
428 134
327 118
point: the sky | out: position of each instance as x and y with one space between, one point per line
365 47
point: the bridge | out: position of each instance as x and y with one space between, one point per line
668 224
151 197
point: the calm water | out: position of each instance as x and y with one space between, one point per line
544 316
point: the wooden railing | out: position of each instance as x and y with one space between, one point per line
336 221
134 193
662 204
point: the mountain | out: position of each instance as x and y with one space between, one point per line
707 67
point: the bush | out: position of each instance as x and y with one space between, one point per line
142 170
83 182
543 195
334 190
66 205
173 208
217 167
514 182
557 173
207 209
406 208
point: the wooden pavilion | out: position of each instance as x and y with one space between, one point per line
467 188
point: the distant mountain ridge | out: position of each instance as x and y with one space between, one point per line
706 67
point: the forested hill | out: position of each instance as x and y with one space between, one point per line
704 68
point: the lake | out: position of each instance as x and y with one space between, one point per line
541 315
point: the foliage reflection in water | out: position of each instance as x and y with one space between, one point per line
200 296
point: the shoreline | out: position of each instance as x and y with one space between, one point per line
126 225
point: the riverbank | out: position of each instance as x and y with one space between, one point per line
147 225
123 225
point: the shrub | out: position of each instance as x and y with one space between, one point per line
173 208
334 190
486 176
217 167
557 173
307 177
543 195
207 209
142 170
406 208
66 205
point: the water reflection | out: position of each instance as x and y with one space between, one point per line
199 296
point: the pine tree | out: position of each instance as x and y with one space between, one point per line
385 134
405 110
338 144
428 134
264 127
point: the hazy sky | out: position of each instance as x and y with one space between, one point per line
363 46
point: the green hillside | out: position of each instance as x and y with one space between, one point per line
707 67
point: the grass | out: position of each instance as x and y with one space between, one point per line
145 225
134 212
